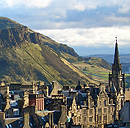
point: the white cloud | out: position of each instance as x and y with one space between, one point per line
92 37
115 19
124 7
27 3
57 11
80 5
74 22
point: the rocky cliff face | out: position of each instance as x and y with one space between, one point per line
18 36
23 35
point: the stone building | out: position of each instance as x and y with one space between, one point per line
96 111
98 106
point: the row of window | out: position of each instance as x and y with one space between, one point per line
100 110
99 119
91 111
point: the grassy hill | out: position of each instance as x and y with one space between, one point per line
98 62
29 56
95 68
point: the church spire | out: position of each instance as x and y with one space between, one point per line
116 56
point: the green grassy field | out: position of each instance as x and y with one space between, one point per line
97 73
94 72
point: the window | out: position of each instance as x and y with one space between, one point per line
104 102
74 119
91 119
122 103
100 103
105 110
84 111
99 126
91 103
79 118
105 118
109 110
90 111
99 119
16 112
112 117
84 119
90 126
100 111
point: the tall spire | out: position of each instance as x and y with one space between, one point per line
116 56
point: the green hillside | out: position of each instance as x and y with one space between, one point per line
98 62
95 68
29 56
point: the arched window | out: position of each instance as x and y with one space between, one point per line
122 103
104 102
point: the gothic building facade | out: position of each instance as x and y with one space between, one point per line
117 83
100 105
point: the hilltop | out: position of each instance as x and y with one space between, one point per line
6 23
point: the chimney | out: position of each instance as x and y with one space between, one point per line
51 123
26 120
2 119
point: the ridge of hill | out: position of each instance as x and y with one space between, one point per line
98 62
124 58
6 23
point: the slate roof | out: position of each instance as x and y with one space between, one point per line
1 126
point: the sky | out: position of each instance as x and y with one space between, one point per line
88 26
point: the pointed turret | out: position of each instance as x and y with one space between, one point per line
116 66
117 77
117 83
116 56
